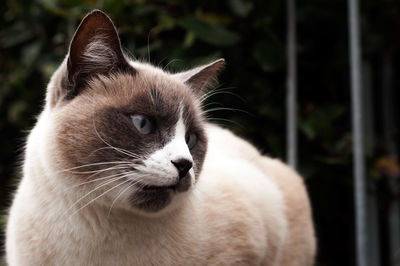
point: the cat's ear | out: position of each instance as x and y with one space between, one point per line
202 77
95 49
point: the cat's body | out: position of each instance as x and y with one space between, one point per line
235 208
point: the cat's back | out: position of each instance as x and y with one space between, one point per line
246 185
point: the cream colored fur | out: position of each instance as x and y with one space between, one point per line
246 209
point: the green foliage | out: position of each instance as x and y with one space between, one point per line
208 33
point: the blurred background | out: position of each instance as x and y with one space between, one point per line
251 36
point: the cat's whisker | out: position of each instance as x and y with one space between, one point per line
206 97
148 45
103 148
96 180
96 188
118 196
111 177
123 151
114 177
215 92
130 54
159 63
208 94
117 167
102 194
95 172
129 173
224 109
141 185
129 153
132 184
204 106
224 120
94 164
170 62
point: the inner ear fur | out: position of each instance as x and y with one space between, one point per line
203 77
95 49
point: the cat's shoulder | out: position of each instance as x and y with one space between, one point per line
223 140
232 165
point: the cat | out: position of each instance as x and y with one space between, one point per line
122 168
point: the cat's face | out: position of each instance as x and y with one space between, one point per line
123 133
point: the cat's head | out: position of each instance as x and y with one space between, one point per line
125 133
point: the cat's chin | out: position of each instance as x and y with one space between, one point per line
182 186
154 203
155 200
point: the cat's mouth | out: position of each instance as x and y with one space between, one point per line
182 186
152 188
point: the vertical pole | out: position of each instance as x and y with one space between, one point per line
291 119
389 106
357 125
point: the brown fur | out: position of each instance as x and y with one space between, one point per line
101 114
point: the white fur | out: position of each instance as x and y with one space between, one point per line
159 163
97 53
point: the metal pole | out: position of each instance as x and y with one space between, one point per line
291 119
357 125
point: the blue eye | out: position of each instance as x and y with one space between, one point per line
191 140
142 123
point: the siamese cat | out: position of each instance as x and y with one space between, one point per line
122 168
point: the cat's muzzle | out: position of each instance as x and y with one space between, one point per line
182 185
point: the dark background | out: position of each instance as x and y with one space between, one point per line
251 36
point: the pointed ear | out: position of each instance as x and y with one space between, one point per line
202 77
94 50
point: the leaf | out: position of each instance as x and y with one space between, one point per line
216 19
240 7
269 55
16 110
15 35
208 33
189 39
30 53
388 166
270 111
165 23
145 51
273 143
307 129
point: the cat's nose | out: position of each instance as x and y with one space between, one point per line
183 166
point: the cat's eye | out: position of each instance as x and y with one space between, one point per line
191 140
142 123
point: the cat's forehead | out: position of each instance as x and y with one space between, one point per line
149 91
